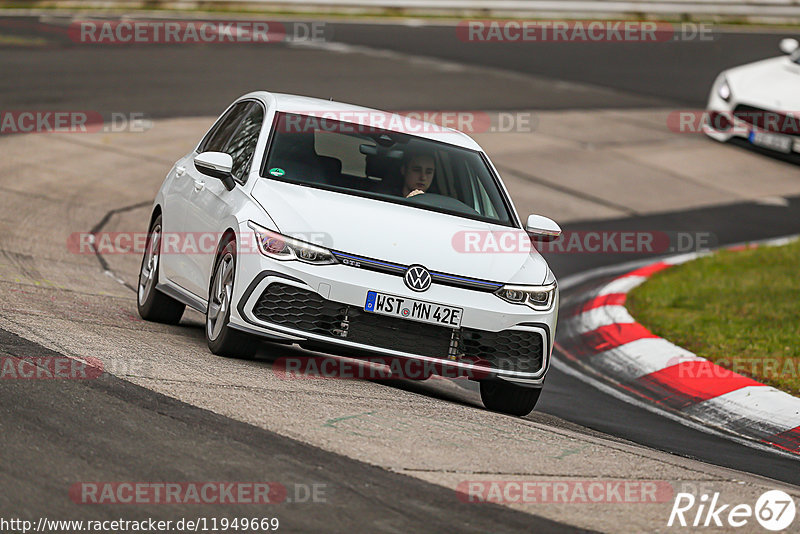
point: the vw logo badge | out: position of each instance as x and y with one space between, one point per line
418 278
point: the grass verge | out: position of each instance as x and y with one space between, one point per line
19 40
739 309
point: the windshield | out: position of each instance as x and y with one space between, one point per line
384 165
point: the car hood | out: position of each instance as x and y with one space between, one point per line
395 233
771 84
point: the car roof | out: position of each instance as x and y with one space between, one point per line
364 116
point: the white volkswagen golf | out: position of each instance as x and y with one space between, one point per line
350 230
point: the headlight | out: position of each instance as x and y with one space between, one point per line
539 298
724 90
280 247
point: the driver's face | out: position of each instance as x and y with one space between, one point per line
418 173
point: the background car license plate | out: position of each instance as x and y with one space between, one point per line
417 310
781 143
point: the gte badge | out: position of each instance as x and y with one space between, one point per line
351 263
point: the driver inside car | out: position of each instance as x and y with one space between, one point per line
417 170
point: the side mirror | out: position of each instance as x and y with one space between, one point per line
542 228
788 46
216 165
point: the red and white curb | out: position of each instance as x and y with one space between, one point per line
604 337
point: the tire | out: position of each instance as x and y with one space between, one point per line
508 398
223 340
153 305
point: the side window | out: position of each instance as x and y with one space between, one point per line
243 143
223 129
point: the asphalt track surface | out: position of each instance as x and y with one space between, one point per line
69 73
674 72
186 81
147 436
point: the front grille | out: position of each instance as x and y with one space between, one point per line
770 121
301 309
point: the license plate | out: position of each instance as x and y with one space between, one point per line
415 310
781 143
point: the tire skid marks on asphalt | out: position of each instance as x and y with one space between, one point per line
623 284
688 383
789 440
641 357
609 299
779 410
605 337
615 335
596 318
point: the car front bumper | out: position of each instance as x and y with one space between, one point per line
721 122
492 341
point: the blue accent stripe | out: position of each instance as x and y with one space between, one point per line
435 275
470 280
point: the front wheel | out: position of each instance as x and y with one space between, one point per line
221 338
505 397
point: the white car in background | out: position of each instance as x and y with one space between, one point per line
759 102
309 240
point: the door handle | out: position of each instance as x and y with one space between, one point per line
199 185
180 171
